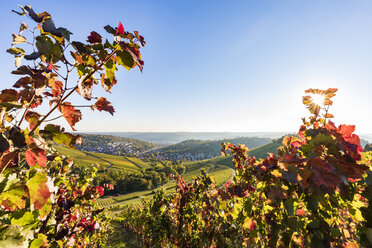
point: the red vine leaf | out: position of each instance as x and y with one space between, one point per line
346 130
103 104
71 114
300 211
36 155
120 29
100 190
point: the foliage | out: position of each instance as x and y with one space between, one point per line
368 147
314 193
43 202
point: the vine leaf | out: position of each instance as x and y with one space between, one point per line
9 95
85 87
103 104
36 155
56 87
22 27
94 37
36 17
57 134
71 114
4 144
38 190
32 118
120 29
40 241
14 195
18 39
11 237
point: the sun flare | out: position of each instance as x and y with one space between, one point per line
318 99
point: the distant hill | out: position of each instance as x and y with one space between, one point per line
366 137
167 138
363 142
201 149
115 145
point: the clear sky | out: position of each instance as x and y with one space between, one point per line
223 65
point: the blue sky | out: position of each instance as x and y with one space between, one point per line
223 65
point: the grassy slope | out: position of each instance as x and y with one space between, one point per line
118 162
220 168
80 158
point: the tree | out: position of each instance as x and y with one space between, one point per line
44 202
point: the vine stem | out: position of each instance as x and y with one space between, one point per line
72 91
27 108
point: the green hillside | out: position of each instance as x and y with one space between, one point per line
202 149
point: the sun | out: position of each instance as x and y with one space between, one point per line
318 99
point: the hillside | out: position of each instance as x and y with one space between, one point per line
201 149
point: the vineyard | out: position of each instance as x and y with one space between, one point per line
309 189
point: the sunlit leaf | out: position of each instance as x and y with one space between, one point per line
38 190
103 104
22 27
85 87
18 39
70 113
36 155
